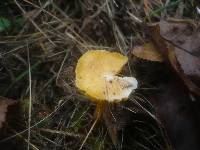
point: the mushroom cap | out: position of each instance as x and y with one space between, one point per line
96 72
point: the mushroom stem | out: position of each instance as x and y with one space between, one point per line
92 127
100 107
97 114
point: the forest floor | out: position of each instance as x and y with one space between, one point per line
40 44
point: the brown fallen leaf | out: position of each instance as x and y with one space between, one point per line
175 42
186 38
4 104
184 34
148 52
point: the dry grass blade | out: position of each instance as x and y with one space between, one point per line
30 99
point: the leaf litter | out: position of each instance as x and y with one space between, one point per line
178 42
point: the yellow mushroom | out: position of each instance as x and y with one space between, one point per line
96 72
96 76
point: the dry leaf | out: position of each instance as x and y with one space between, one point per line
178 42
148 52
4 103
186 38
183 34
